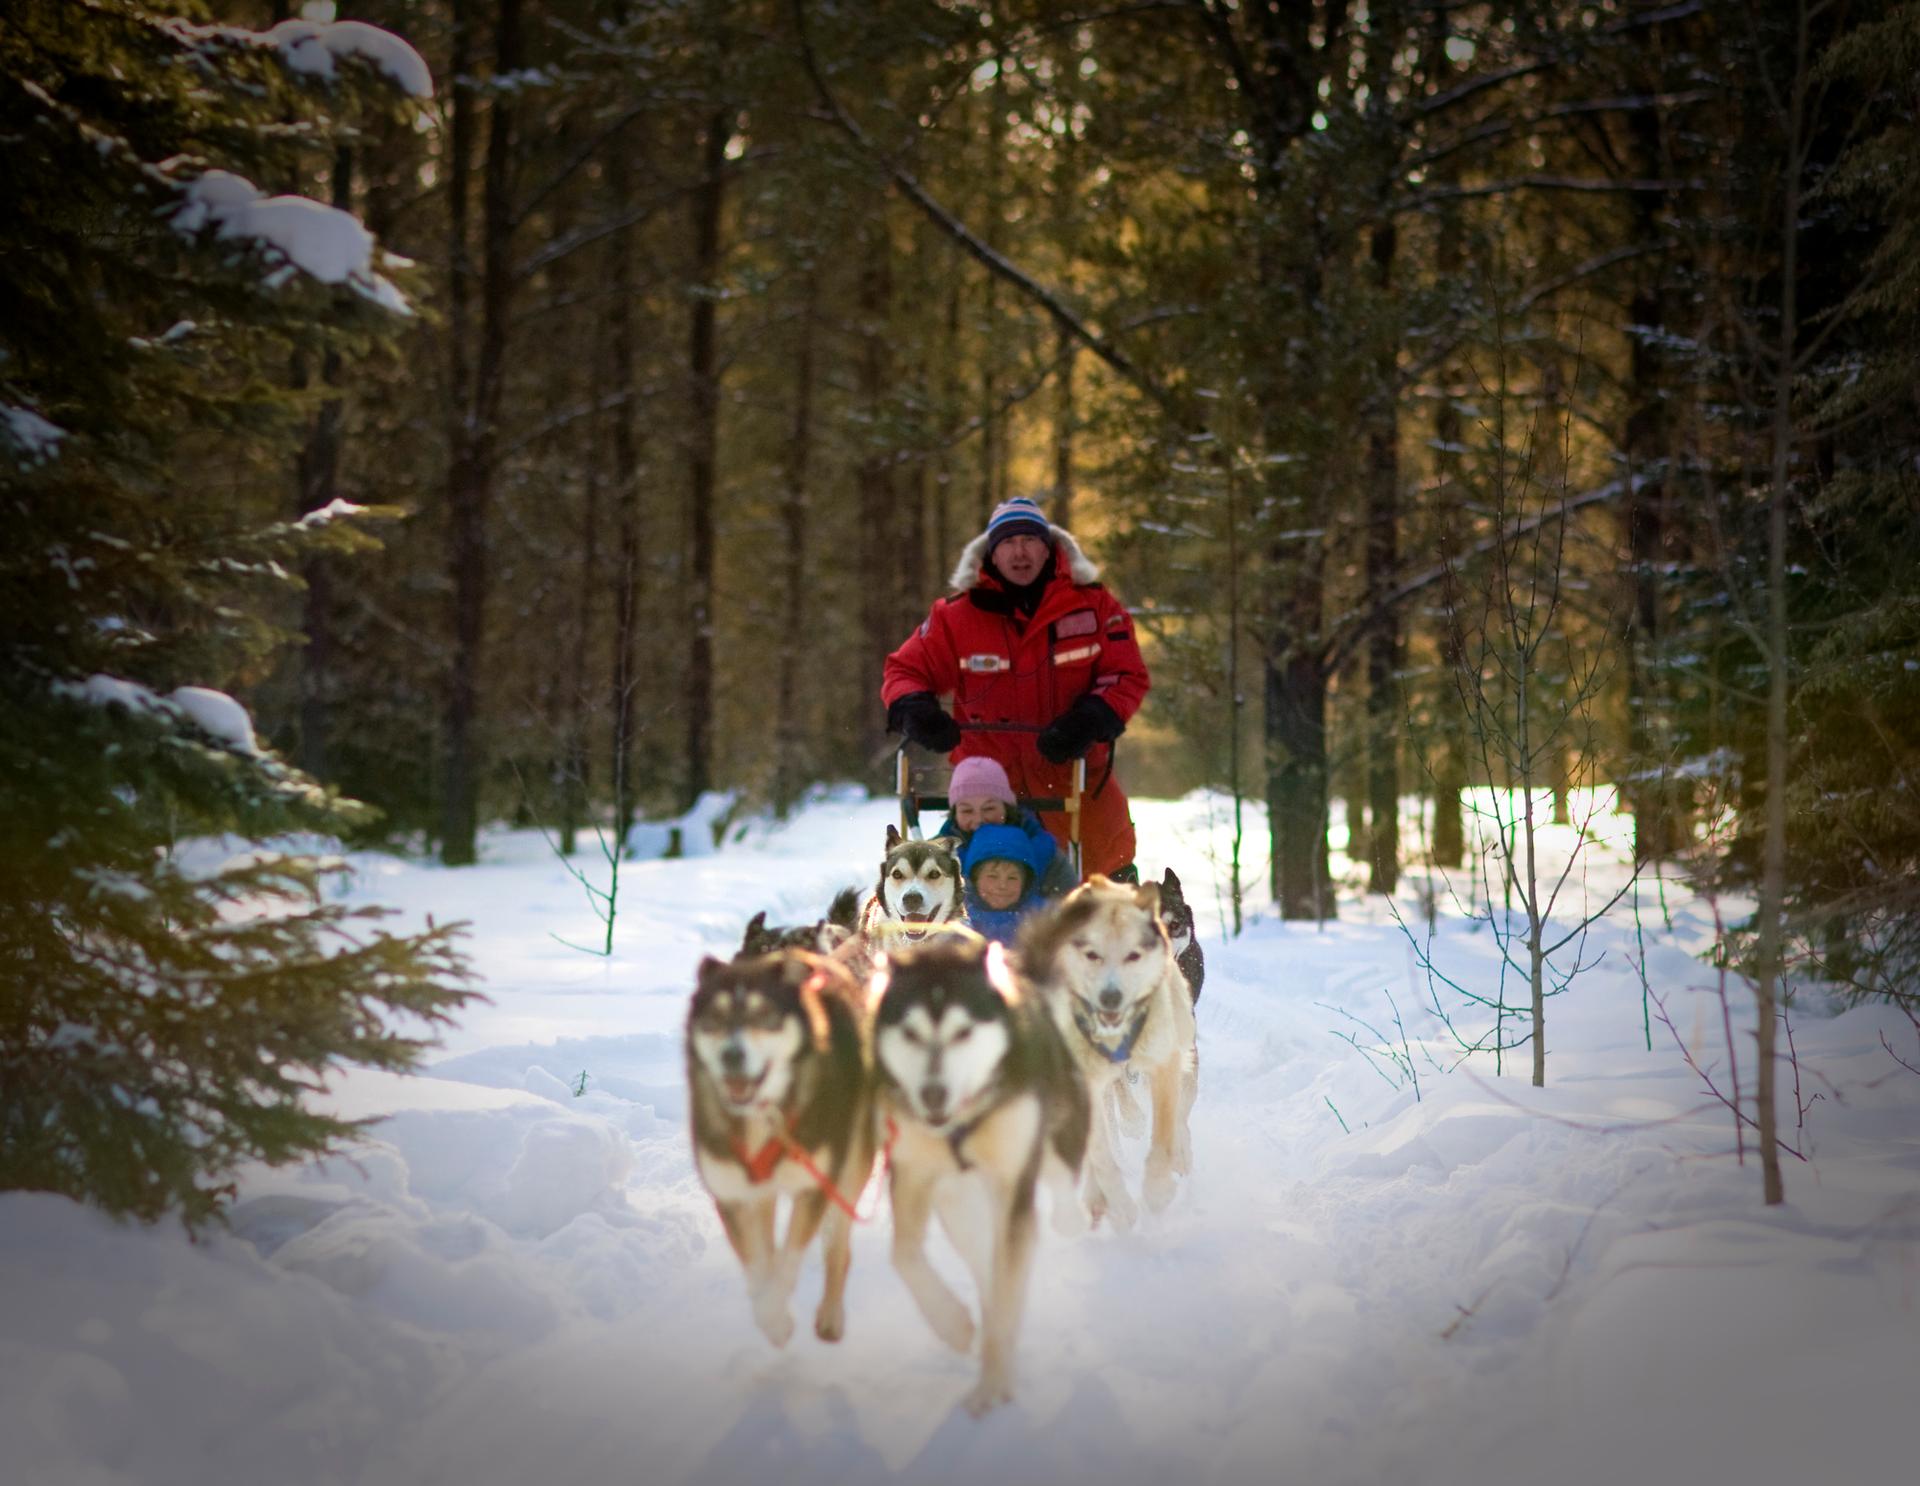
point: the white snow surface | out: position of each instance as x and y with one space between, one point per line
1485 1284
218 715
213 712
32 437
296 231
314 43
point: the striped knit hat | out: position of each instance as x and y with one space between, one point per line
1020 516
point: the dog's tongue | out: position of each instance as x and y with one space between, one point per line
739 1090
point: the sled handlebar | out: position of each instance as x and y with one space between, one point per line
911 801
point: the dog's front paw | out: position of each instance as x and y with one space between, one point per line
774 1320
830 1321
989 1393
1159 1186
952 1324
1121 1208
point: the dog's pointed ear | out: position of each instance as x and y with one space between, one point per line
809 976
893 836
1170 883
709 971
1147 895
754 926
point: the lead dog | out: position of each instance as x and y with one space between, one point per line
1107 971
980 1100
920 894
780 1106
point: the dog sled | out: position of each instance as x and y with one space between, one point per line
913 801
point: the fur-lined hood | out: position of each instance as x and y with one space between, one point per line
973 560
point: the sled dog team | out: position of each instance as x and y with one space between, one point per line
898 1037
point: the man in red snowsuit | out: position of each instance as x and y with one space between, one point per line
1029 636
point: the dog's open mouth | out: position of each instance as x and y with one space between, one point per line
916 918
740 1089
1112 1020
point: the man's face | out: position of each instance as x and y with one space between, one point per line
999 884
1020 558
970 815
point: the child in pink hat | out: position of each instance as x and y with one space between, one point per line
980 794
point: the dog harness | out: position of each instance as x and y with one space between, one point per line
762 1163
1118 1054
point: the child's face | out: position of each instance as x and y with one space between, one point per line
970 815
999 884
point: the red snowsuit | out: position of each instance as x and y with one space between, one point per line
999 666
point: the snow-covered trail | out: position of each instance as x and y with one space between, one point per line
1484 1283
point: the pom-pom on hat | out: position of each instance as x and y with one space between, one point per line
1020 516
979 779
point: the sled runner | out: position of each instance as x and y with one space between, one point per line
913 801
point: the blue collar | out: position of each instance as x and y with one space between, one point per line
1124 1051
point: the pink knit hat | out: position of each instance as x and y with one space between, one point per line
979 779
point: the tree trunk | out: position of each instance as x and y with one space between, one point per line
1655 799
629 549
1063 429
319 474
993 434
703 453
467 471
1296 718
944 542
1296 736
1773 858
577 768
1383 644
1450 771
789 767
873 484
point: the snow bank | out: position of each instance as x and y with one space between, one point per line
295 232
694 834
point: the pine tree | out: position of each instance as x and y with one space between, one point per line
166 998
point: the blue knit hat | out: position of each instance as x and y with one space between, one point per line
992 843
1020 516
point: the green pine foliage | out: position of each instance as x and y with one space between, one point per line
168 997
1852 902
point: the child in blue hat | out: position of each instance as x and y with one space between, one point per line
1001 873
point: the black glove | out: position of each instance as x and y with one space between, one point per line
920 717
1087 722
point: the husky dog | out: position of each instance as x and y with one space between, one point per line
980 1099
1106 968
920 893
762 938
780 1100
1177 915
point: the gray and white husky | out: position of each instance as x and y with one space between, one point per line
979 1100
1177 914
920 894
779 1096
1106 969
